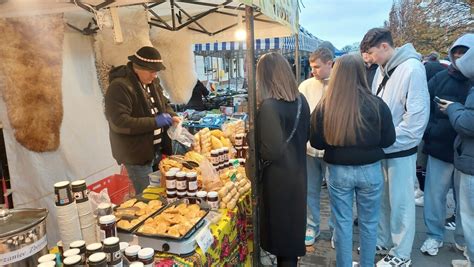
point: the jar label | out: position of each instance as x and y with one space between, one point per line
192 185
170 184
214 204
215 160
181 185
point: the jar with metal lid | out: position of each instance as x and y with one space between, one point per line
239 140
170 180
81 245
226 154
147 256
108 226
20 228
112 250
72 261
201 196
171 196
93 248
136 264
98 259
123 246
192 181
131 253
71 252
104 209
215 157
192 197
213 200
221 155
79 191
181 183
182 194
47 257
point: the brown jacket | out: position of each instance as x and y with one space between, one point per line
131 124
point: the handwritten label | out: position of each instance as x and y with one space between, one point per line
22 253
205 239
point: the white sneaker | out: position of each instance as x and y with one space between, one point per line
391 261
460 248
418 193
355 264
461 263
310 236
420 202
332 242
431 246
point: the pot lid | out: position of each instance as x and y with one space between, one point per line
17 220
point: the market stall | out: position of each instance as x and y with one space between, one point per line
77 147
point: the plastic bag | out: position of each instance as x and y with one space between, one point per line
96 198
210 178
180 134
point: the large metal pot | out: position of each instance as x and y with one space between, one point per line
22 236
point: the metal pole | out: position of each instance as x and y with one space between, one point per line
252 112
297 58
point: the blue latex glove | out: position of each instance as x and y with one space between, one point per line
163 120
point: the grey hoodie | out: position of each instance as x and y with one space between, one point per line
462 116
401 54
466 40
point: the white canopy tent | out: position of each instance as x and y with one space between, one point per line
84 151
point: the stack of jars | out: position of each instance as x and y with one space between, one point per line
220 159
181 185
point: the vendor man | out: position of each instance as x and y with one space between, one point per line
139 115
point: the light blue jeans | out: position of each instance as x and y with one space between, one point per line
439 178
315 172
396 228
466 199
366 181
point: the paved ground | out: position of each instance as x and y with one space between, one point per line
324 255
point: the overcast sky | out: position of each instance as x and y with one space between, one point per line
343 22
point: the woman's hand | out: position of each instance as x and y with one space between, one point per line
443 106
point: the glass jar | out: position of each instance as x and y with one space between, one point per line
73 261
147 256
192 181
213 200
170 180
131 253
93 248
181 182
112 250
108 226
81 245
98 259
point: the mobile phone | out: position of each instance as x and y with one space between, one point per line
438 100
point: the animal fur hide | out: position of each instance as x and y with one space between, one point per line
180 75
31 64
136 33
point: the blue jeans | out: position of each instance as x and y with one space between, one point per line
466 211
366 181
439 178
139 176
315 173
397 221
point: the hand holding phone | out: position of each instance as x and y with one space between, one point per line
439 100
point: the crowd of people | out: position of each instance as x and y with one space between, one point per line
358 123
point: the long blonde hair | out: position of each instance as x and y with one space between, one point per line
275 78
347 91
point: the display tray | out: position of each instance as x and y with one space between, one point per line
139 198
203 206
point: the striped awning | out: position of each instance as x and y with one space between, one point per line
306 43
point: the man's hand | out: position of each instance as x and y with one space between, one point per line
443 106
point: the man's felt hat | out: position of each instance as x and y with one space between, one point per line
149 58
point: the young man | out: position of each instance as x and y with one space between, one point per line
313 89
401 82
139 115
439 137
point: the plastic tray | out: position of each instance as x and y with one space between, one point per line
204 206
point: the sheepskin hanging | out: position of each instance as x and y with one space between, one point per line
31 64
180 75
135 32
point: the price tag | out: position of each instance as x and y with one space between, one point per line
205 239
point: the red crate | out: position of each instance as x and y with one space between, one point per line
118 186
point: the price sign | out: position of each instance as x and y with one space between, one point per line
205 239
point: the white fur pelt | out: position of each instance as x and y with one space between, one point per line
135 32
31 64
180 75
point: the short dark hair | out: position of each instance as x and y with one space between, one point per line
323 53
374 37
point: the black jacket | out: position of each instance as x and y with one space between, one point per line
370 72
131 124
196 99
439 135
433 67
283 205
379 134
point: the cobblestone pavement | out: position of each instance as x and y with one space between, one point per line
324 255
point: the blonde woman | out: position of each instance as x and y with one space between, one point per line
283 130
353 126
